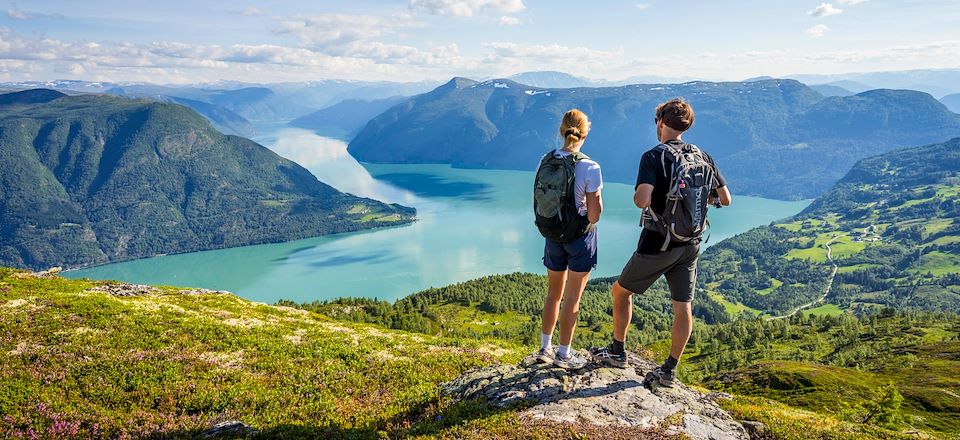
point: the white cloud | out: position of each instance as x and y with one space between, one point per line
544 52
336 33
505 58
818 31
507 20
253 11
851 2
825 10
643 6
15 13
187 62
466 8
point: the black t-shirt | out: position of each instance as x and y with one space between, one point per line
652 172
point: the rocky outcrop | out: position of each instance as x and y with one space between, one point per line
230 429
601 396
124 289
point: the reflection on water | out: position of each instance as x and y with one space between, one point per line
471 223
427 185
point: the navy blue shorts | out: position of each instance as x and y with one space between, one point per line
579 255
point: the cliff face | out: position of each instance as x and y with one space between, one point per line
600 396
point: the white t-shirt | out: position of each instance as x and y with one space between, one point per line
587 179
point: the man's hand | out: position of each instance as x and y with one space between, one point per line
643 195
719 197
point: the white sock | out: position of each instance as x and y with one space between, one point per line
545 343
563 350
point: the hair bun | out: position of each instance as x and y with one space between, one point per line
572 131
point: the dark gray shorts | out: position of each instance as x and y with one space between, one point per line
677 265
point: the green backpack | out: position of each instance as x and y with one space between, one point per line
555 209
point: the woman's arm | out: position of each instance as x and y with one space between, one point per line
594 206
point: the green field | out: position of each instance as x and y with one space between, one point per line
939 264
775 283
825 310
732 308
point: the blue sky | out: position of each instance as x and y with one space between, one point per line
177 41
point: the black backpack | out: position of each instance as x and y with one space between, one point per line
554 206
691 178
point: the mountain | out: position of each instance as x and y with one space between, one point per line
886 236
551 79
952 102
266 103
346 118
770 137
831 90
37 96
222 118
937 82
91 179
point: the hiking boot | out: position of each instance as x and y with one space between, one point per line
544 355
571 362
665 378
605 355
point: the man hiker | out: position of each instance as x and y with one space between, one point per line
675 183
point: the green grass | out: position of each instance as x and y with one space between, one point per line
358 209
842 246
825 310
845 247
816 253
775 284
856 267
789 423
946 240
939 263
732 308
837 390
170 364
937 225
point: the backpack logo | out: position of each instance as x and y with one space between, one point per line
691 178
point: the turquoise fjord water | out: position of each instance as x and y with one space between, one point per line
471 223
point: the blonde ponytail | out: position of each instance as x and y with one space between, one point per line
574 128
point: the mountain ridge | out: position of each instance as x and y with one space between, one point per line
517 123
92 179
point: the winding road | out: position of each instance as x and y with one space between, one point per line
826 291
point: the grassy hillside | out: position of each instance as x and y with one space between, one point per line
100 360
787 373
892 227
82 363
507 307
839 365
91 179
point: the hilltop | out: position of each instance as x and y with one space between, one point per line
93 179
106 360
773 138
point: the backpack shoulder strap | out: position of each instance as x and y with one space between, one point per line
578 156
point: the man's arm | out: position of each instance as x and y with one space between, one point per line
723 193
643 196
